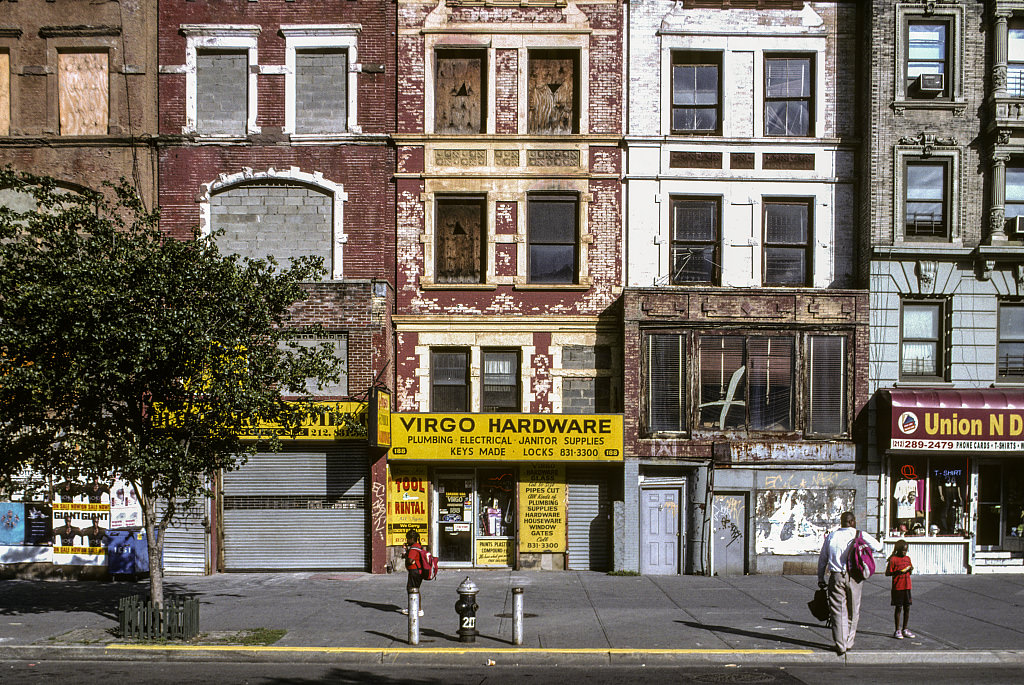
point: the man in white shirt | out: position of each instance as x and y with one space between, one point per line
843 591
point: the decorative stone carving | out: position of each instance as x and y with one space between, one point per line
553 158
997 223
985 268
506 157
1003 137
460 157
1018 275
927 141
999 77
926 272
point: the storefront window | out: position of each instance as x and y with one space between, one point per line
928 496
497 500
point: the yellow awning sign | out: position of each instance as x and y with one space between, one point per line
329 421
525 437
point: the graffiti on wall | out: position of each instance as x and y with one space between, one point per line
796 520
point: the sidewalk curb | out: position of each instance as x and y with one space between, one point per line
498 656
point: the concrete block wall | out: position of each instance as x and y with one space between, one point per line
285 221
222 101
320 102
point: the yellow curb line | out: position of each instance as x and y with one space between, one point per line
447 650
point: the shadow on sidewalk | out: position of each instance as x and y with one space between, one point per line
749 633
25 597
389 608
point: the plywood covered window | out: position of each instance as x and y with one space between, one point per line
461 239
460 92
5 94
553 87
83 93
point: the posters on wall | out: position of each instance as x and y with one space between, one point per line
795 521
407 503
26 533
542 506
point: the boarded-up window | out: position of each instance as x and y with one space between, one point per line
83 93
828 385
553 88
321 96
222 96
460 240
459 95
5 94
666 382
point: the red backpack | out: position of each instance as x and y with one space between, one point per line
428 564
861 560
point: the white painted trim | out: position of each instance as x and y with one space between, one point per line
219 37
324 36
247 175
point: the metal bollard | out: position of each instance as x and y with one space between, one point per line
517 615
466 608
414 616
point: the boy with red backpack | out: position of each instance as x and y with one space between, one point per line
419 562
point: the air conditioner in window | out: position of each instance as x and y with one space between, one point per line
1015 226
931 83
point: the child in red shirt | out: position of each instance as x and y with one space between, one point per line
899 567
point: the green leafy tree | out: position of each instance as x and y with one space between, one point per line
127 353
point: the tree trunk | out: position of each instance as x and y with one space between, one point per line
155 545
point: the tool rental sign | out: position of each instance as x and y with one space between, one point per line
532 437
983 430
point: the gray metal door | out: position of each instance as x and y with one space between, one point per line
298 510
660 541
729 529
589 521
185 541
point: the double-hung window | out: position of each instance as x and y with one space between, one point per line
449 380
1010 352
927 59
927 199
1014 205
500 381
789 96
553 238
921 340
696 92
787 242
695 240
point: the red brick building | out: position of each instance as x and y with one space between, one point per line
274 119
509 236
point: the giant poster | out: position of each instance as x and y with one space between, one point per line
407 503
542 508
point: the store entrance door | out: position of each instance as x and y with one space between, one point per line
1000 505
455 518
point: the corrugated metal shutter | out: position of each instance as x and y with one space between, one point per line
298 510
589 521
185 541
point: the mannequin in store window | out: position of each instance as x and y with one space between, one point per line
950 502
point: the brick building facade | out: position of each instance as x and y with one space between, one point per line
745 332
944 183
509 228
275 120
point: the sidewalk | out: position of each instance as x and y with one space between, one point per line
569 617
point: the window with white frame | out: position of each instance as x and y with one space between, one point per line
321 71
1010 352
922 340
500 381
449 380
220 82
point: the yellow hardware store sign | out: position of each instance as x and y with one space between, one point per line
542 497
528 437
331 421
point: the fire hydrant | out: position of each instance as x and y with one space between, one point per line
466 609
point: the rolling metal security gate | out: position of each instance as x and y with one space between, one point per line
185 541
589 521
298 510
